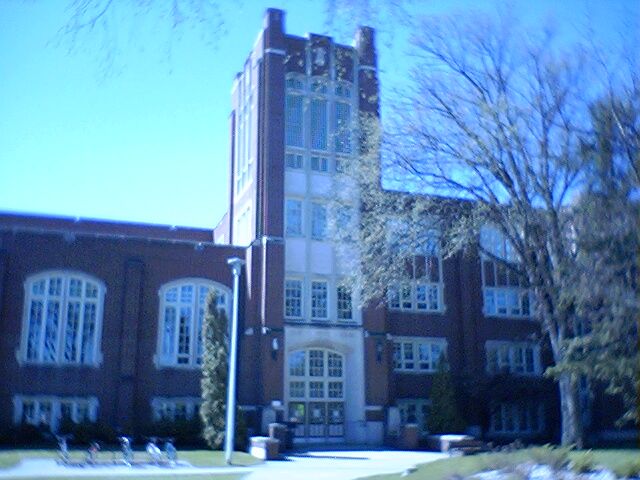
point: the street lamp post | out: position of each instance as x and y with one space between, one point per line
236 267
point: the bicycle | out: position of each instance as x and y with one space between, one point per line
92 454
127 451
63 449
154 452
170 452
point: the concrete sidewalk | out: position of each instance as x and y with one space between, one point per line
316 465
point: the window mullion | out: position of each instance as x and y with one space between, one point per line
43 320
81 325
63 311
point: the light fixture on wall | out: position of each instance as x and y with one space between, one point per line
274 348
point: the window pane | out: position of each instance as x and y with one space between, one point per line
293 120
71 331
91 290
171 295
336 390
316 389
334 364
319 299
293 217
318 221
293 298
184 335
88 333
293 160
397 355
296 389
75 287
424 356
316 363
297 364
344 303
55 286
169 332
343 127
51 331
35 329
186 293
318 124
489 302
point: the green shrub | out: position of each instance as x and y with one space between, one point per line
556 458
25 434
184 432
583 463
444 414
628 469
87 432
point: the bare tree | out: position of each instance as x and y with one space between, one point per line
116 26
491 130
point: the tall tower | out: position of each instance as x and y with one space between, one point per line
294 127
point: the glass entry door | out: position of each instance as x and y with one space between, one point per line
316 394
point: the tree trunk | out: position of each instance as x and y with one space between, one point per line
572 433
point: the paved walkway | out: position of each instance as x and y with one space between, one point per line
317 465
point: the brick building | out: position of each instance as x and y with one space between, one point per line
100 320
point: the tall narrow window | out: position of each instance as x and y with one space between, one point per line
182 311
318 221
345 311
293 219
63 317
343 128
294 120
293 298
319 300
318 124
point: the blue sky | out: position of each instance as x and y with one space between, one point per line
149 141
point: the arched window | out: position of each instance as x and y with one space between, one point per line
182 310
62 319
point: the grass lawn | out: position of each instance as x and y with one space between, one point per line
198 458
444 469
139 477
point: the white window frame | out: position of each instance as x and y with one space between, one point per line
163 360
294 160
507 353
321 146
288 226
319 164
301 298
515 297
420 405
327 302
319 221
410 354
164 408
91 403
344 305
513 410
302 130
64 300
406 295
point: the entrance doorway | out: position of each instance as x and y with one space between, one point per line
315 393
